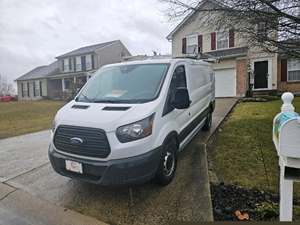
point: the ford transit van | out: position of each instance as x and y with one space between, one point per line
130 120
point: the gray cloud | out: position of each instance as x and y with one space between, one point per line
33 32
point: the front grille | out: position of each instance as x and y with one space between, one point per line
95 143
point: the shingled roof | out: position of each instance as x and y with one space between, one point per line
40 72
200 5
86 49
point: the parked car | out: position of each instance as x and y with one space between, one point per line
6 98
130 120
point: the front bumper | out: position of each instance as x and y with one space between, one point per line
134 170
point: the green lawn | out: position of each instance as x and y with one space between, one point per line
18 118
244 145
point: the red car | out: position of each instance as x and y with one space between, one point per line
6 98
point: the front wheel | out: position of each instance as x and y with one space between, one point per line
208 122
168 163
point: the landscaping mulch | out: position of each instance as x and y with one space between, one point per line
259 205
227 199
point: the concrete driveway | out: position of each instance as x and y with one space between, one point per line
24 165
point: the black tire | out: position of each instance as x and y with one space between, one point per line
208 122
168 163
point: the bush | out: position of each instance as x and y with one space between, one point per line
267 210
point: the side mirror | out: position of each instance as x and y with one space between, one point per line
182 99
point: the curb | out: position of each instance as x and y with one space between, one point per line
221 122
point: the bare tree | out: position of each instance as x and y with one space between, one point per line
273 25
5 87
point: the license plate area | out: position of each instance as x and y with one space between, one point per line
73 166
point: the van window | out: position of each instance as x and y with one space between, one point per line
178 81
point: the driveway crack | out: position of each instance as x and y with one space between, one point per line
26 172
5 196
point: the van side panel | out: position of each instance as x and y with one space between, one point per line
200 87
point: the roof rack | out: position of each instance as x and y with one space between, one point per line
200 56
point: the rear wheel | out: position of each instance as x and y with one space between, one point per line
208 122
168 163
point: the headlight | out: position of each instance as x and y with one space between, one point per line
135 131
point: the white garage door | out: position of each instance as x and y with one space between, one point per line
225 83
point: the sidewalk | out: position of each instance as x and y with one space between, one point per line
20 208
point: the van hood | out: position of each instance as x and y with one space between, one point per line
104 116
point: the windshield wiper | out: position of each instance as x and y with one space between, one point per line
105 101
86 98
128 101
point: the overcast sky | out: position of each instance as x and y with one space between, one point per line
33 32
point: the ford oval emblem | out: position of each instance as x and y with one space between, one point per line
76 141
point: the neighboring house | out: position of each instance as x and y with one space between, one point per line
62 78
237 60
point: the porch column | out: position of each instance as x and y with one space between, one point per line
75 85
63 84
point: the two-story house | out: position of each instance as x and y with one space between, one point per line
237 60
62 78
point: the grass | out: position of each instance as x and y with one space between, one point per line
17 118
243 152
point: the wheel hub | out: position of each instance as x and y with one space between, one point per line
169 164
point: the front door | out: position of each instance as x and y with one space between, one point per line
261 75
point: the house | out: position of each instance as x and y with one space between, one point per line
237 60
69 72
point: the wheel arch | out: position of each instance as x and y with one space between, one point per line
170 136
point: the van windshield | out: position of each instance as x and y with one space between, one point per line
136 83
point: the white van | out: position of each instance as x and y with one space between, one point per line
130 120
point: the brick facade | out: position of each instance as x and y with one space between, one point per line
241 77
284 86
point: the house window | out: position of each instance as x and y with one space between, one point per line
192 44
83 63
88 61
222 40
22 89
66 65
33 88
261 29
36 86
41 90
93 61
78 63
293 68
70 64
27 89
68 83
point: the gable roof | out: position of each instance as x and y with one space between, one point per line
40 72
199 6
87 49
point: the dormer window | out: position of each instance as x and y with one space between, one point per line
222 40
